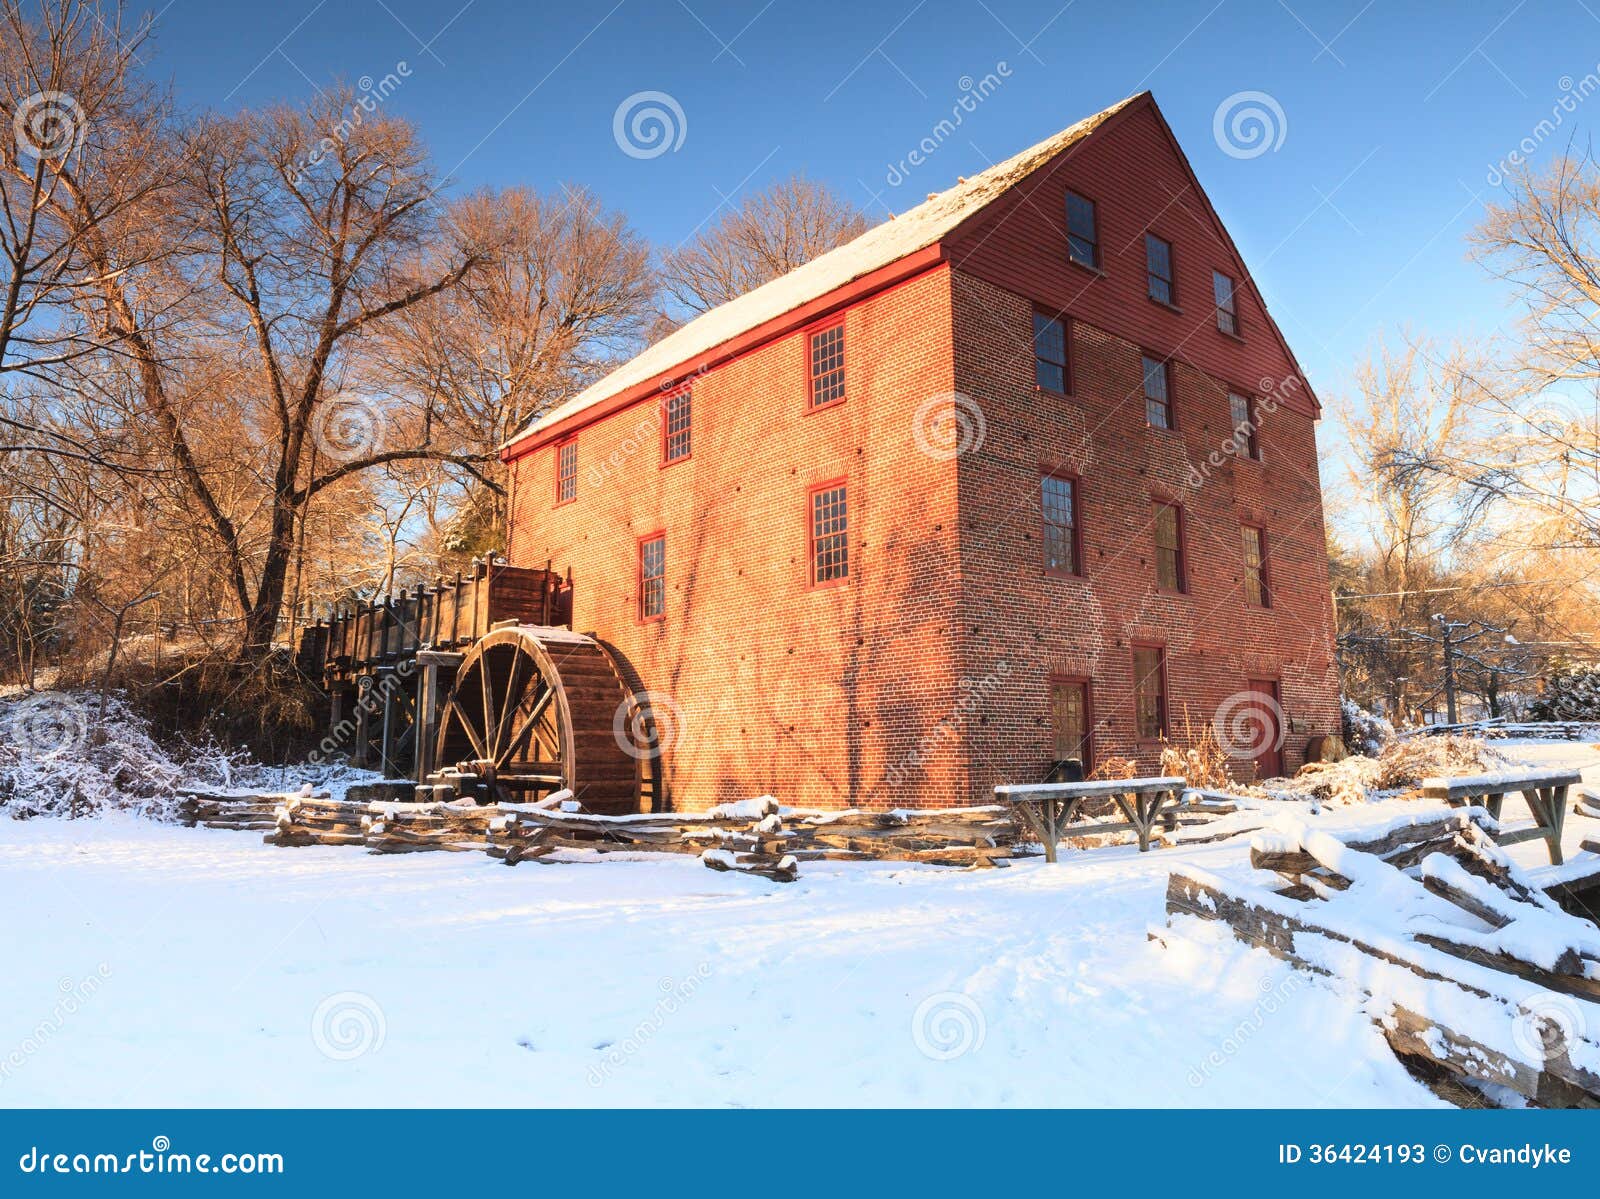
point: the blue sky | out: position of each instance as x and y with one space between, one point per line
1393 114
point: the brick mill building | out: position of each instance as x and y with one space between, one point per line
1023 474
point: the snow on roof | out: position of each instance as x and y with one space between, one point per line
880 246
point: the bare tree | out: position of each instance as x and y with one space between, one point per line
768 235
562 296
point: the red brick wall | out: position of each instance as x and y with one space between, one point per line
1024 624
822 696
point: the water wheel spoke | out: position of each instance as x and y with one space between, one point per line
488 707
460 718
498 729
542 695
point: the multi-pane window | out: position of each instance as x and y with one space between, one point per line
1158 268
1255 566
830 550
1083 237
653 578
1069 718
1150 692
675 430
1157 393
1049 352
1169 547
1242 413
1060 501
827 366
566 471
1227 305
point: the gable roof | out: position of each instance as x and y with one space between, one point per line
921 228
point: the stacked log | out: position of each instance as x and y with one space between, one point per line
762 849
414 827
303 820
1476 978
238 811
975 837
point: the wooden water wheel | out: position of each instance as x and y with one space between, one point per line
534 710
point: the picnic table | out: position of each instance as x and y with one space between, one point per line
1048 809
1545 792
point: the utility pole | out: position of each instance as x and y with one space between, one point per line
1446 627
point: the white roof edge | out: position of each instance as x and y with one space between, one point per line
881 246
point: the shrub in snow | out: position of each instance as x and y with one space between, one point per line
1399 767
1569 694
1364 731
61 754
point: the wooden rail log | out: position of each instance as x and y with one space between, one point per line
1387 969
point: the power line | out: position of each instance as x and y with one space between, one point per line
1443 590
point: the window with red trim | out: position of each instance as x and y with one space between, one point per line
653 578
1049 352
676 428
1157 393
830 550
1083 234
1072 733
1254 543
1169 546
1150 692
1227 303
1059 500
567 471
827 367
1158 269
1242 412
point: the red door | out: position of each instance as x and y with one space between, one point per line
1266 727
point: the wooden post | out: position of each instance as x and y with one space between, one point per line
385 683
363 721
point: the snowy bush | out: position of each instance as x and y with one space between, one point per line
1570 694
60 756
1364 731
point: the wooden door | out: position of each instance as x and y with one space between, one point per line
1069 718
1267 717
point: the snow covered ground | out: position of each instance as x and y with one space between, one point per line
157 965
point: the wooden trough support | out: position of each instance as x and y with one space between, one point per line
1424 917
366 656
1545 792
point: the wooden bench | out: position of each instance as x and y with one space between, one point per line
1047 809
1544 790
